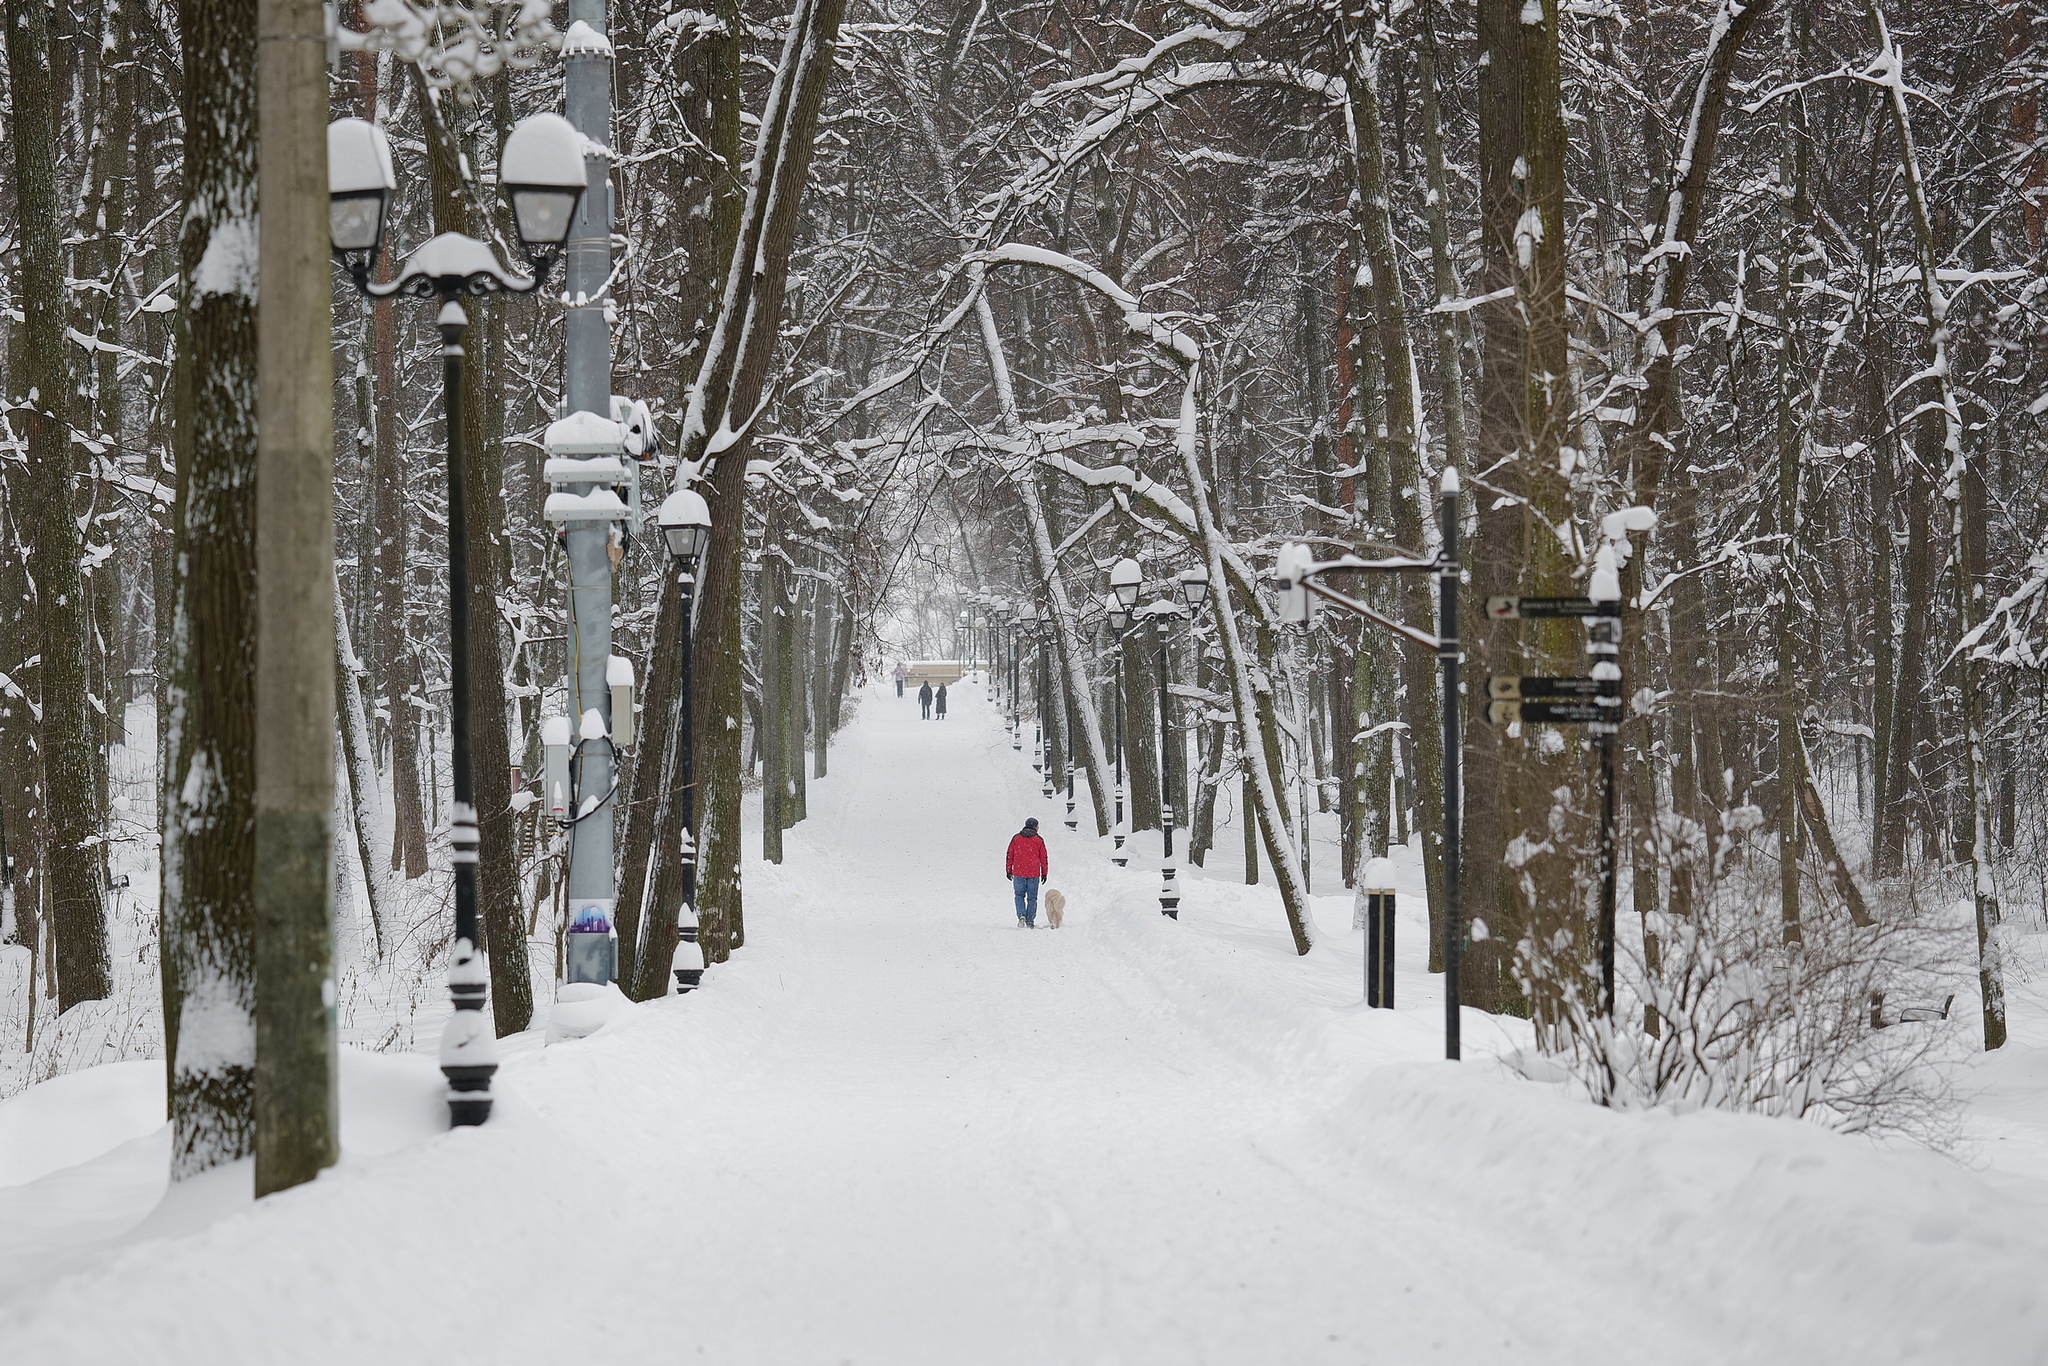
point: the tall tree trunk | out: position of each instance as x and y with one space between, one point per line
1939 395
359 756
729 383
68 736
774 728
209 825
1791 442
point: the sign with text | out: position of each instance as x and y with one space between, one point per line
1513 608
1577 712
1527 688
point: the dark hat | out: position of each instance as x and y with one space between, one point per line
1031 824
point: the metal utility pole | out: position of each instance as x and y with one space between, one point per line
592 873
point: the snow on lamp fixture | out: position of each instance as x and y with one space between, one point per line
359 185
544 176
685 520
1194 586
1126 580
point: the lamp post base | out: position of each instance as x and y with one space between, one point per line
469 1051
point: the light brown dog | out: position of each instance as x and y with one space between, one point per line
1055 907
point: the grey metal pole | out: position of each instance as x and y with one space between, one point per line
592 874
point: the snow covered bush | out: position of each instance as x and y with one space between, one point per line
1718 1008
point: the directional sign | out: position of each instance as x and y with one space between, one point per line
1524 688
1573 713
1504 609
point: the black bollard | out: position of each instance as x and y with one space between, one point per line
1378 885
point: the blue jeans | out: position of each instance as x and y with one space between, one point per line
1026 891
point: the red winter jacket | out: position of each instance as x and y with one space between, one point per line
1027 856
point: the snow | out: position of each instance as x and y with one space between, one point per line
545 148
598 505
601 470
228 265
896 1129
453 254
585 433
583 40
358 157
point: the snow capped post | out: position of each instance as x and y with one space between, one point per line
446 269
1376 889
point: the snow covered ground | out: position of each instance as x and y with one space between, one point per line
897 1130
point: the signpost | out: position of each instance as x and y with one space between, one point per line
1592 700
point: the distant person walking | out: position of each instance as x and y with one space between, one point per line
939 700
1026 867
924 699
899 679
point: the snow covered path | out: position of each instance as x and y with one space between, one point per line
897 1130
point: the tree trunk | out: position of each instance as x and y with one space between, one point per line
68 735
359 755
729 382
209 825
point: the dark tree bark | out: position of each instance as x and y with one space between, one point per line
209 827
728 385
68 737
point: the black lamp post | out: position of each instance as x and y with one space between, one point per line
1194 587
685 521
1042 686
1027 627
1126 579
1073 821
1012 615
542 170
1119 618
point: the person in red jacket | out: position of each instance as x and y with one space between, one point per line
1026 867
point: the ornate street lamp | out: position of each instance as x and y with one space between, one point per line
685 522
1194 585
1027 625
1119 614
1126 580
542 171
